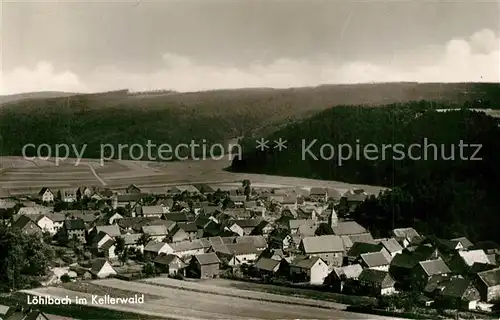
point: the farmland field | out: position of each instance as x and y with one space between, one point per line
26 176
179 302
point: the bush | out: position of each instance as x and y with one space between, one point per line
65 278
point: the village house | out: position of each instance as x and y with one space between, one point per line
243 227
154 249
101 268
177 216
189 190
189 228
205 266
375 260
329 248
242 253
187 248
488 284
150 211
108 249
51 222
156 232
280 238
311 269
98 241
459 293
352 198
358 248
259 242
132 241
463 261
169 263
464 242
268 268
375 283
401 268
392 246
348 228
177 235
67 195
424 271
318 195
46 195
85 192
73 229
126 201
288 201
114 217
238 201
263 228
112 230
294 225
340 275
8 208
27 226
405 236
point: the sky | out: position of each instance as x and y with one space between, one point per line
91 46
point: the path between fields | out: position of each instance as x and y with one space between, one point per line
96 175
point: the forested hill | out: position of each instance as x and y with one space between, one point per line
216 116
450 197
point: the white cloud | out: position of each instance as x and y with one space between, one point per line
460 60
41 78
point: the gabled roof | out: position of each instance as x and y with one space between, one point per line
376 276
188 226
156 230
434 267
108 244
320 244
131 238
363 237
348 272
317 192
246 223
491 277
295 224
391 245
22 221
43 190
242 248
187 245
54 217
348 228
473 256
355 195
207 258
166 259
374 259
466 243
359 248
97 265
404 260
305 262
257 241
238 198
177 216
154 246
134 222
129 197
152 210
112 230
405 233
456 288
267 264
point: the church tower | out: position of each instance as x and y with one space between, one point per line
333 219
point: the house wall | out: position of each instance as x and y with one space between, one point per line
493 293
333 259
186 253
32 228
209 271
106 271
48 196
247 257
80 234
387 291
110 253
318 273
237 229
47 225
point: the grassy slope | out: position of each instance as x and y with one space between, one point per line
216 116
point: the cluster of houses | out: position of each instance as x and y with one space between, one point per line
287 234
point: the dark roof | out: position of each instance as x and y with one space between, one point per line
404 260
42 191
207 258
108 244
74 224
97 265
359 248
466 243
305 262
317 191
374 276
456 287
188 226
177 216
491 277
130 197
246 223
242 248
267 264
165 259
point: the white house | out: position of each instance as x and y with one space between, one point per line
51 223
46 195
313 269
101 268
242 253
